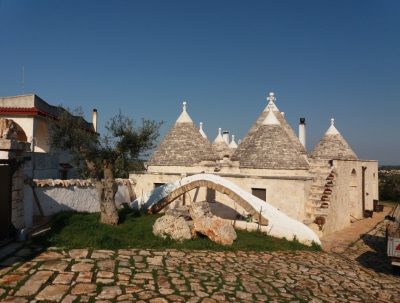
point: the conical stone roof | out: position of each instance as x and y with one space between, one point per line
333 146
270 147
239 153
183 145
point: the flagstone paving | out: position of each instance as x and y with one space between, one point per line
360 274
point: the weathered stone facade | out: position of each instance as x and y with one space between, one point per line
326 190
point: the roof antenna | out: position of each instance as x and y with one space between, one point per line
23 79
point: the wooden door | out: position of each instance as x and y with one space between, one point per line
5 201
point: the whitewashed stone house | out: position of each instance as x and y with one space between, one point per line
34 116
326 189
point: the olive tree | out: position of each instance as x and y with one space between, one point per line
104 157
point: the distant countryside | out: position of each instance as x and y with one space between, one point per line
389 183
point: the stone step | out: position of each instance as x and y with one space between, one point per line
318 211
315 197
325 205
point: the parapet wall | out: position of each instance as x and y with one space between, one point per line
79 195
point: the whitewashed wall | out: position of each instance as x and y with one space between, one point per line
54 199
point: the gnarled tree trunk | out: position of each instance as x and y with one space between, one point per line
106 190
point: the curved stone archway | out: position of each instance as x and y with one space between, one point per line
11 130
172 196
278 223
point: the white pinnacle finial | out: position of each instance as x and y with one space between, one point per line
203 134
271 97
184 117
233 143
219 137
332 129
271 102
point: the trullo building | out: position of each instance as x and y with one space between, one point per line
326 189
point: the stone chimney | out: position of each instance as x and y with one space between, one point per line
94 119
302 131
225 136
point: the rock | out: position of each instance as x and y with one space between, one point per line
199 210
180 211
216 230
176 228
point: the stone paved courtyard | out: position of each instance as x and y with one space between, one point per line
360 274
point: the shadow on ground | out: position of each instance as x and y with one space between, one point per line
376 259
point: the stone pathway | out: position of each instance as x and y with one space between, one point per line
340 240
360 274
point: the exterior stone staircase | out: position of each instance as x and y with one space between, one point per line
320 194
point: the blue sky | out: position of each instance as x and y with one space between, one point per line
323 59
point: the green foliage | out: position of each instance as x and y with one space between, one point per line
79 230
123 145
389 187
71 132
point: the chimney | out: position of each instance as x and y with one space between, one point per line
94 119
302 131
225 136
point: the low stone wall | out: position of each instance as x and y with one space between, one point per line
55 195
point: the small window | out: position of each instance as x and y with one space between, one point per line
260 193
158 184
353 172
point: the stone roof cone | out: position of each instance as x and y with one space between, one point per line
280 116
271 148
333 146
220 146
183 145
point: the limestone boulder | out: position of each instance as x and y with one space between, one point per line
216 229
180 211
176 228
199 210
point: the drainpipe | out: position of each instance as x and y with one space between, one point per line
363 188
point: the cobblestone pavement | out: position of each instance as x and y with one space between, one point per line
133 275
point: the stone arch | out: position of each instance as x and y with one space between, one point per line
11 130
176 193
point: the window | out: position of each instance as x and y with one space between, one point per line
260 193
